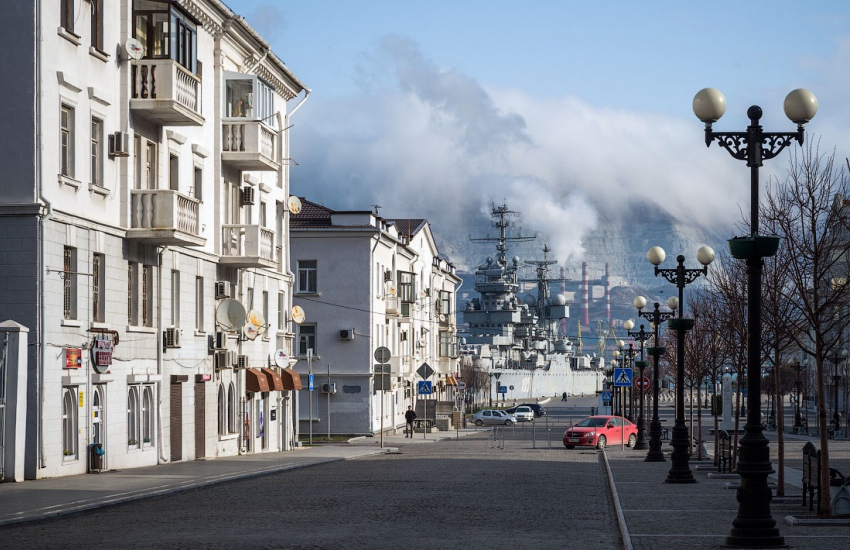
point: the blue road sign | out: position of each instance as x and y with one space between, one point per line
424 387
503 389
311 382
606 396
622 377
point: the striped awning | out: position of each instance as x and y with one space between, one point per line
451 380
291 379
256 381
275 382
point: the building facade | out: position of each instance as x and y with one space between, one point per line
365 282
144 215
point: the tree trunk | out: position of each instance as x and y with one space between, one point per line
825 503
737 413
780 437
699 422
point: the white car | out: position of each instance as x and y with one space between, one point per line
524 414
493 417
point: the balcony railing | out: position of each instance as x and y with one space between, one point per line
247 246
164 92
163 216
249 145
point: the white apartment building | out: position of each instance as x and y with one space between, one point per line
364 282
144 223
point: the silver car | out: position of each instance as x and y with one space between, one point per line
524 413
493 417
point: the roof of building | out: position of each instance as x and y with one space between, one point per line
408 227
311 215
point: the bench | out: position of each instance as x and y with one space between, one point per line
811 475
724 452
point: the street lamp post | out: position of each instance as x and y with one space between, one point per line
680 471
641 336
798 416
655 318
836 378
628 353
754 526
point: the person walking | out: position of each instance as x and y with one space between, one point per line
564 396
409 416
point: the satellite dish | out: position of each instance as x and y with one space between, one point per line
422 294
280 359
135 49
298 314
256 318
442 317
250 331
294 204
389 289
230 315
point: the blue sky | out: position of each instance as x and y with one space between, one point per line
570 109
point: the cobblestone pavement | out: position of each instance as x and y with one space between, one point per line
466 493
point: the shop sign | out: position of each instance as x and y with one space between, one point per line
101 354
73 358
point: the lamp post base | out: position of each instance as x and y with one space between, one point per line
655 454
680 470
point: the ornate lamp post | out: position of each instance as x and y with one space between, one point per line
628 353
617 363
798 416
680 471
641 337
754 526
836 360
655 318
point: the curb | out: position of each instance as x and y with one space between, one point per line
618 508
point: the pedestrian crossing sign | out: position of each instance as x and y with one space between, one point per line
622 377
606 396
424 387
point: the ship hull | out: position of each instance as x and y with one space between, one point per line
554 380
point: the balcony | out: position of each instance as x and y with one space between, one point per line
249 145
164 92
164 217
393 305
247 246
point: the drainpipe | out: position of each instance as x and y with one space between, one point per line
44 215
160 253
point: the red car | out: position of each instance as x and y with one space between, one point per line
599 431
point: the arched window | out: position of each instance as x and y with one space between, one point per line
231 409
69 424
147 416
222 411
133 414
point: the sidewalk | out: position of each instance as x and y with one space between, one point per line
657 515
44 498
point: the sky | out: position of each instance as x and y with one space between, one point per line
570 111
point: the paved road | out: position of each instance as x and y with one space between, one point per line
469 493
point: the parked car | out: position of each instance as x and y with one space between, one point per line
523 413
537 409
493 417
599 431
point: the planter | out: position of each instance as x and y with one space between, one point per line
680 323
653 352
757 246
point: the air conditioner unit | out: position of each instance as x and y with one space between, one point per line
172 337
119 144
329 388
222 290
347 334
388 275
242 361
247 196
231 358
220 360
220 340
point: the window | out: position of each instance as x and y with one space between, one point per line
406 287
266 307
147 295
66 15
98 282
66 130
175 298
149 167
96 151
132 293
307 271
263 215
147 416
167 32
198 187
69 423
69 282
139 295
249 298
281 311
222 411
448 345
248 96
231 409
199 304
444 305
96 24
133 416
173 173
306 339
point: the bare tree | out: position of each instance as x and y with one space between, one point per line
808 210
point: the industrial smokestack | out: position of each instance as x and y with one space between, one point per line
585 296
607 290
563 280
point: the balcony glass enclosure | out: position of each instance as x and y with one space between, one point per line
166 32
248 96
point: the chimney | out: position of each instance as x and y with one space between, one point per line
607 290
585 296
